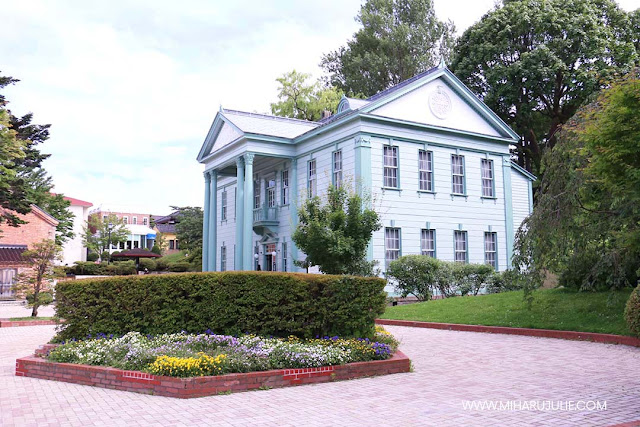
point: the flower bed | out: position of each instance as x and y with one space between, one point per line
189 355
189 365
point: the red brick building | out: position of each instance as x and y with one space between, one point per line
15 240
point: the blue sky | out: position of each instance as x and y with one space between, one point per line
131 87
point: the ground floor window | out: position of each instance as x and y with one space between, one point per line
7 280
284 256
391 244
428 243
223 258
490 249
460 248
270 256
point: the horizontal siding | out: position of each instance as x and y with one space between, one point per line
520 194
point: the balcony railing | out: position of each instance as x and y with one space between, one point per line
265 214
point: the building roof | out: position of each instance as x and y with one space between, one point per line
264 124
78 202
12 254
166 228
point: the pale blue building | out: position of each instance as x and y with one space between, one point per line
432 157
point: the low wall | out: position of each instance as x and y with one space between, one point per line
6 323
543 333
139 382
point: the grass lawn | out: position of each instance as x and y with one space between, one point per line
552 309
18 319
176 257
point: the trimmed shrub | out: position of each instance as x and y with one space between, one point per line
118 268
262 303
417 275
148 263
632 312
508 280
92 256
156 250
161 264
179 267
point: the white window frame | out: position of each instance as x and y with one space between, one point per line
125 220
337 168
425 170
392 244
223 258
486 171
223 205
285 187
391 166
284 257
312 178
461 246
491 249
428 242
256 194
134 220
457 175
271 192
145 221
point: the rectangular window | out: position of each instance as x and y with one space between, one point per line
390 166
460 249
490 249
125 219
457 174
285 187
256 194
425 168
134 219
136 244
284 257
271 193
171 244
428 243
177 244
128 244
487 177
223 206
337 168
391 244
7 280
312 179
223 258
145 221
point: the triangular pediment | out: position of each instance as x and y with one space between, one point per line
221 134
440 99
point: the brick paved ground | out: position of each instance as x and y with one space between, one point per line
9 311
449 367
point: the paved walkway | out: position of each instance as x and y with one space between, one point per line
450 367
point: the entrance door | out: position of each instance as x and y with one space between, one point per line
269 257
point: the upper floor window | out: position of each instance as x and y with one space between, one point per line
428 242
271 193
490 249
457 174
390 166
145 221
391 244
223 206
285 187
425 167
256 195
312 179
125 219
134 220
487 177
460 249
337 168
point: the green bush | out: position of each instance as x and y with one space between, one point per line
262 303
156 250
179 267
148 263
117 268
161 264
504 281
44 298
92 256
471 278
632 312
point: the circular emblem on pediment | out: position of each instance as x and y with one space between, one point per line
439 103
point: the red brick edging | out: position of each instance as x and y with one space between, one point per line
6 323
140 382
544 333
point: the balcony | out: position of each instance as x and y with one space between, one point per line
265 219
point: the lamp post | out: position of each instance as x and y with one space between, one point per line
109 228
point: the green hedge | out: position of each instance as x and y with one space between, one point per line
262 303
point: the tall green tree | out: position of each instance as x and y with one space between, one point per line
586 224
24 179
535 62
334 233
398 39
99 232
301 99
189 227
